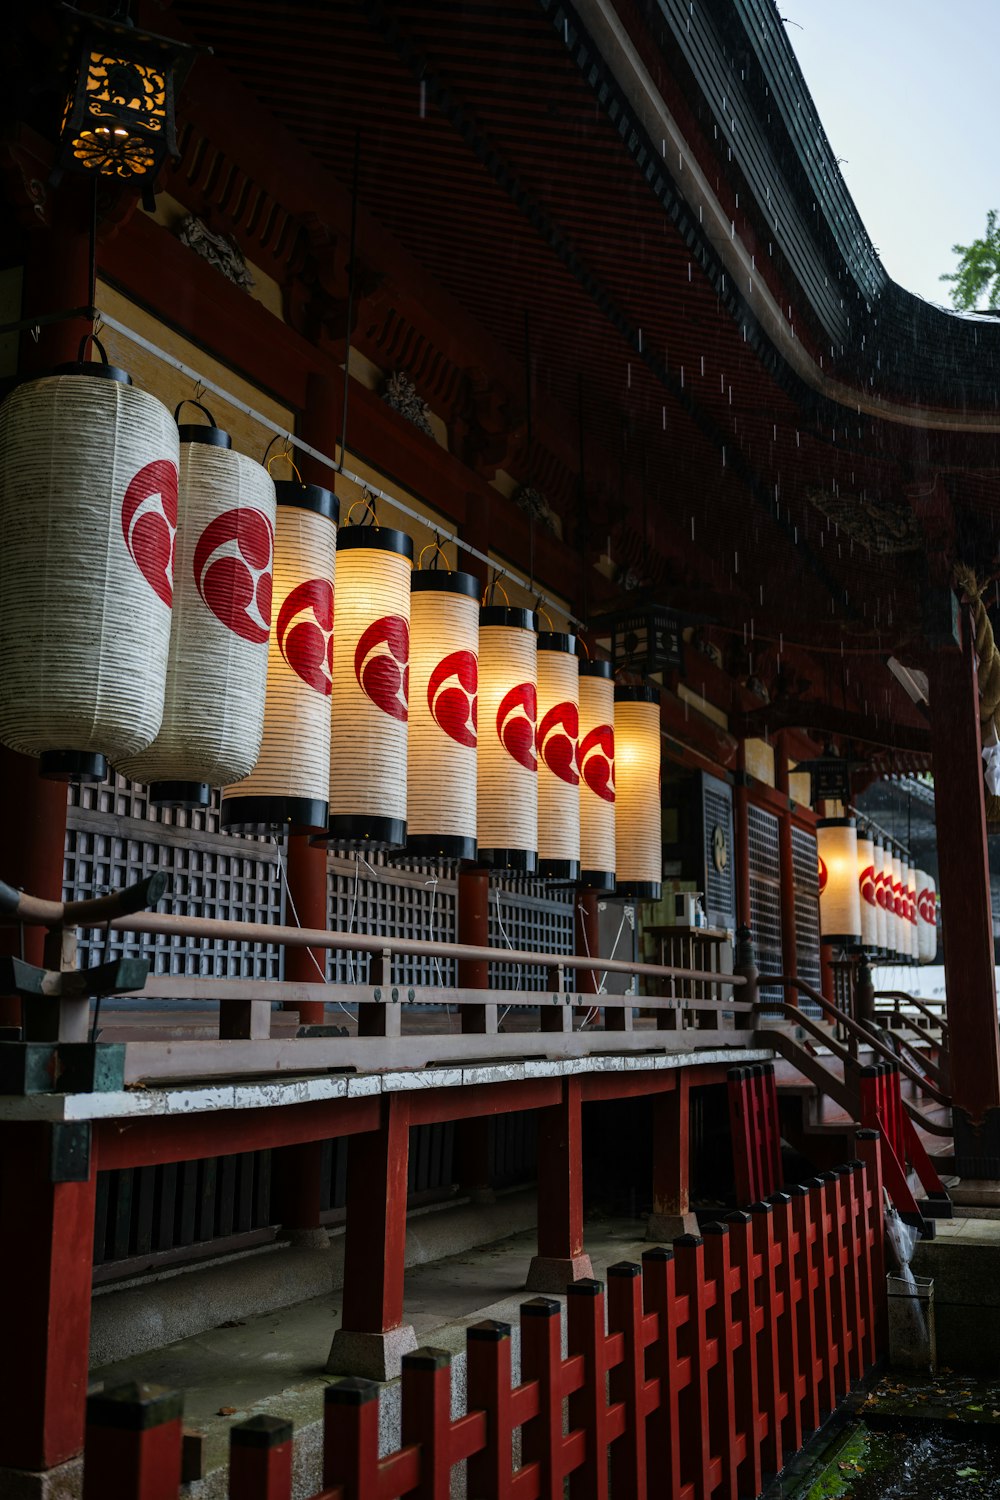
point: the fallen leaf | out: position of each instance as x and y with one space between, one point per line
966 1473
227 1411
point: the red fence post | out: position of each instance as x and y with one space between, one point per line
260 1459
773 1128
802 1241
541 1362
741 1124
350 1438
723 1333
659 1301
627 1380
867 1144
838 1296
692 1337
133 1448
847 1209
749 1423
426 1419
788 1290
487 1352
588 1407
768 1358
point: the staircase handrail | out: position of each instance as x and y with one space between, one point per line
937 1017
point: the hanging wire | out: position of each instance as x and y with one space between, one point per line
351 279
517 973
368 500
290 899
437 551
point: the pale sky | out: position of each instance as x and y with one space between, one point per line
907 93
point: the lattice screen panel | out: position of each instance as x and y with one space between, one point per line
765 898
532 917
368 894
720 885
805 868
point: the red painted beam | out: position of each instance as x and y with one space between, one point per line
434 1106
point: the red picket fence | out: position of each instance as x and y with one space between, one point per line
882 1109
753 1119
701 1373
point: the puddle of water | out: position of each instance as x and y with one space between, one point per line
925 1462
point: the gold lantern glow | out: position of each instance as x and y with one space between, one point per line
88 511
638 843
926 917
596 760
881 934
839 896
866 891
444 676
370 698
507 794
558 776
213 709
289 785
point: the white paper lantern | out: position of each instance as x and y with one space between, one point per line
839 897
441 755
866 891
596 760
899 934
905 931
881 937
911 912
370 698
638 841
558 775
289 785
507 795
213 707
927 917
88 511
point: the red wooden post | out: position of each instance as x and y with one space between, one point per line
847 1197
46 1262
260 1459
541 1366
586 936
741 1124
588 1409
627 1380
802 1242
473 1135
133 1444
350 1439
297 1177
964 883
426 1419
561 1257
772 1125
838 1294
723 1331
749 1422
768 1356
672 1214
825 1330
659 1301
693 1431
867 1144
787 1286
372 1337
489 1475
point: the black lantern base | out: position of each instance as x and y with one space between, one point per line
429 846
363 833
519 861
565 871
72 765
639 890
597 880
273 814
190 794
841 939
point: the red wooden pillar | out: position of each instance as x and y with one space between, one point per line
134 1444
789 953
46 1262
561 1258
297 1178
672 1214
586 936
963 872
473 1135
32 810
373 1338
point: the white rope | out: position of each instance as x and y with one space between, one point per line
510 945
594 1010
330 463
290 899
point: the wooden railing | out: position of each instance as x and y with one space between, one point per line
705 1371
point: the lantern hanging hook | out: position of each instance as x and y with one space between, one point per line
437 551
36 332
199 389
491 590
367 499
286 456
541 610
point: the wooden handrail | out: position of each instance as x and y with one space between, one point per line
938 1017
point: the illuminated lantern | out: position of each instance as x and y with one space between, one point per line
213 708
926 917
638 843
839 896
369 702
866 890
558 776
441 758
88 511
887 900
899 934
507 795
595 757
289 785
881 938
911 912
906 931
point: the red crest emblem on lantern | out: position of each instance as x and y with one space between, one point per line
880 889
232 565
149 525
516 724
381 665
823 874
452 696
927 906
596 758
557 736
305 633
866 882
897 899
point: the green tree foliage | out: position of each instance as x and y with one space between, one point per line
978 272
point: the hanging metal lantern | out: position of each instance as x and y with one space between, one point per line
119 116
839 896
596 760
288 786
644 636
213 709
866 891
507 795
370 698
441 754
881 934
558 775
927 917
88 511
638 842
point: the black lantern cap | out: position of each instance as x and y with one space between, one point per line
375 538
557 640
314 497
507 614
441 581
